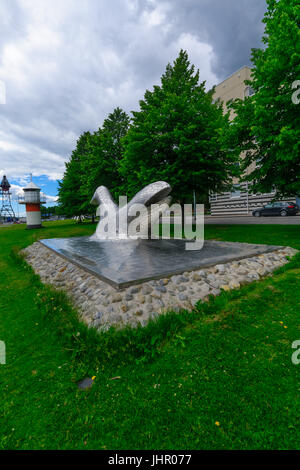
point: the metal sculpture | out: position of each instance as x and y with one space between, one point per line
115 220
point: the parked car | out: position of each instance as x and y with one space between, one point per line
277 208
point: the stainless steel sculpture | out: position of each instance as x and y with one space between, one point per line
121 259
150 202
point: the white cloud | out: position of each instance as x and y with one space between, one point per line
51 199
156 16
201 54
17 190
67 64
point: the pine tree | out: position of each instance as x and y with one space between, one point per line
94 162
70 196
177 137
105 154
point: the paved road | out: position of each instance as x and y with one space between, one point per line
292 220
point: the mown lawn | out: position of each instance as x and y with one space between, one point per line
229 362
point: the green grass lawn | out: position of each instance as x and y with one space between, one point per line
228 362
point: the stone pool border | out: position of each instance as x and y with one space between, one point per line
100 305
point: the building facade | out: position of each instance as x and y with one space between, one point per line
239 201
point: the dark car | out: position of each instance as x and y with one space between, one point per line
277 208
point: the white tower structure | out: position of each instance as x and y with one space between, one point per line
32 200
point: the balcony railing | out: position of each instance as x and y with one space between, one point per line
32 199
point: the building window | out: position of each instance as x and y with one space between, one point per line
213 197
249 91
236 191
258 162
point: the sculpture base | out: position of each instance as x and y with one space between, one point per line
122 263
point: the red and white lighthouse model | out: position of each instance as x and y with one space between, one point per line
32 200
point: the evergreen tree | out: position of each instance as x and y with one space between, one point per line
70 195
267 125
177 137
94 162
49 211
105 154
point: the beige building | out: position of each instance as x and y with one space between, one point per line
239 201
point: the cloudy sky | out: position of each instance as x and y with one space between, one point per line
66 64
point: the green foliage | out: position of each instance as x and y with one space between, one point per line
49 211
267 125
105 154
177 137
94 162
71 198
